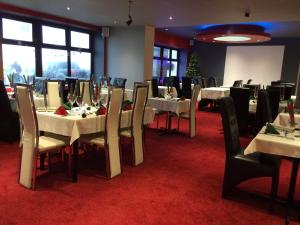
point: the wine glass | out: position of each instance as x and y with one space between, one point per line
79 101
71 99
255 94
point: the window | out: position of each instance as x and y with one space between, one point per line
165 62
80 40
22 63
39 48
80 64
17 30
55 63
54 36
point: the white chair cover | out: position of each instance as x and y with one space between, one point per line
195 94
87 92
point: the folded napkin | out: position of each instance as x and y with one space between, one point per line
270 129
67 106
127 105
61 111
101 111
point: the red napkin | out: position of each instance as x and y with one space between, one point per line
61 111
9 89
101 111
127 107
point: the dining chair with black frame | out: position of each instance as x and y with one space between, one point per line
136 130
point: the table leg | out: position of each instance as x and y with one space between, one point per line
292 188
74 161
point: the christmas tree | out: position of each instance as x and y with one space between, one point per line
193 69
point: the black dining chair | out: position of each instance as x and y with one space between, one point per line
274 98
176 85
154 87
238 166
249 81
9 120
237 83
186 87
263 110
211 82
252 88
203 82
119 82
241 98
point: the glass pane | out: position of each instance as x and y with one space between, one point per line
156 68
54 36
173 68
166 53
13 29
166 68
156 51
174 54
18 60
54 64
80 64
80 40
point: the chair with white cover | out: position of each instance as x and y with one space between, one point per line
55 93
32 144
85 91
109 140
150 91
136 129
191 115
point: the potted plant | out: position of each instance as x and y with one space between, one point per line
193 69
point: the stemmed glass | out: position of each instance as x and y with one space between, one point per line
71 98
255 92
79 101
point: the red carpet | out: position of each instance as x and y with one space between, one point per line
179 183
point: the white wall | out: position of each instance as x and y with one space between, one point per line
130 52
262 64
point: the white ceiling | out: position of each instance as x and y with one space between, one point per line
157 12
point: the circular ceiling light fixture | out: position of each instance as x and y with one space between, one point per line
233 33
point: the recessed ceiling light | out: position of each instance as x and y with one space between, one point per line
166 29
171 17
232 38
68 8
115 22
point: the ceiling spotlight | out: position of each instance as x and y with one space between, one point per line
68 8
129 22
171 18
166 29
115 22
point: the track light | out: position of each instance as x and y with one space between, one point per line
129 21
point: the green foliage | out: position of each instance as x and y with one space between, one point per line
193 69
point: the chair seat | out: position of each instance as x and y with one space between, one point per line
48 143
94 139
126 133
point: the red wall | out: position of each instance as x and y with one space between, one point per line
164 38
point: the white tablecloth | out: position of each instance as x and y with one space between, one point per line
253 106
170 105
283 119
127 94
214 92
275 145
74 126
163 91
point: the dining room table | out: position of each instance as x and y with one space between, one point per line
171 106
74 125
214 93
285 144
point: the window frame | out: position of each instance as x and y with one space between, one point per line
161 58
37 41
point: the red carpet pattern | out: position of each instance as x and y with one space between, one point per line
179 183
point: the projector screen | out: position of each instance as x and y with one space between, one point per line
262 64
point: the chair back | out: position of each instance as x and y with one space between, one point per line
274 97
186 87
112 128
241 98
252 88
249 81
192 112
263 110
212 82
155 87
176 85
150 89
230 127
55 93
237 83
30 136
119 82
71 82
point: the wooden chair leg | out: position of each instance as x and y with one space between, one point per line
34 172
